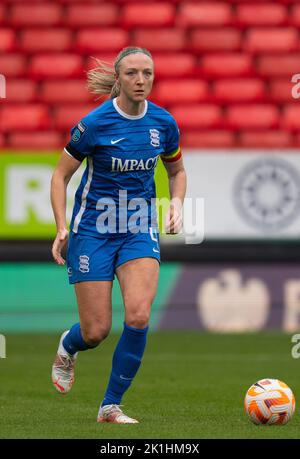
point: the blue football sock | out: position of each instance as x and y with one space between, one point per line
126 362
73 341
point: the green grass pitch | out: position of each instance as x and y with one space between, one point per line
190 385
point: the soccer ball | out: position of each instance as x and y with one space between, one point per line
269 401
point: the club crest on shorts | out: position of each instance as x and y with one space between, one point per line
84 264
154 137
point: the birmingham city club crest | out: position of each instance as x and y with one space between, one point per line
154 137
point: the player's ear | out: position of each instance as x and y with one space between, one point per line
117 80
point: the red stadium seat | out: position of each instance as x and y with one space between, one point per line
2 14
153 14
281 90
296 140
36 140
65 91
291 117
2 141
29 117
265 139
282 65
125 2
177 91
208 139
204 14
181 64
34 2
252 116
239 89
66 2
261 14
294 16
40 14
108 58
84 15
66 116
21 90
222 39
7 40
40 40
55 66
197 116
107 39
12 64
226 64
160 39
273 39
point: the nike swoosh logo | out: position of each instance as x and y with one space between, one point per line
116 141
127 379
155 250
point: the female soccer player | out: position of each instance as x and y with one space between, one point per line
113 227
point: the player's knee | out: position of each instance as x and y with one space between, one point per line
138 319
94 336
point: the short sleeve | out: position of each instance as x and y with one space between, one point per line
172 150
81 144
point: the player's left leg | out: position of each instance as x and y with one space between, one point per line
138 281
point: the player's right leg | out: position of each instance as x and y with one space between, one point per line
90 268
94 306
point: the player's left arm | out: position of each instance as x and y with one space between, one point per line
177 186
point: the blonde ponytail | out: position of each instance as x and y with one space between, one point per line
101 80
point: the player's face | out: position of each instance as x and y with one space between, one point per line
136 75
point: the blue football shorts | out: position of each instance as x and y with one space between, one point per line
94 259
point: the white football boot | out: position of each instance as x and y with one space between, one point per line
63 368
113 413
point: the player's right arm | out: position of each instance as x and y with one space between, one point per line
64 170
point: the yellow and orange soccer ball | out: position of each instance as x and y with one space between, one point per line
269 401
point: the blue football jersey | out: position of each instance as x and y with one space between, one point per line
122 152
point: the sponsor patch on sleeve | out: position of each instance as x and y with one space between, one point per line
78 131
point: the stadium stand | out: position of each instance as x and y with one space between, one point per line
223 68
175 91
239 90
163 39
92 15
148 15
67 115
45 66
43 40
191 116
261 14
24 117
35 140
13 65
21 90
61 91
7 40
106 39
204 14
45 14
254 116
182 65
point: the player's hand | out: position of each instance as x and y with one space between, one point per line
173 221
58 244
